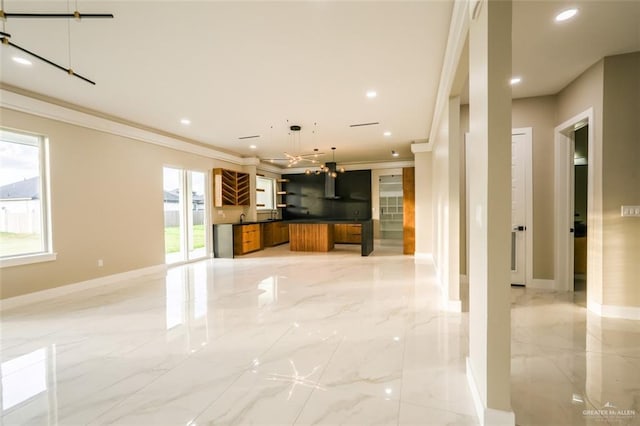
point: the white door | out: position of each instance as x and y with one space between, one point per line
518 209
185 215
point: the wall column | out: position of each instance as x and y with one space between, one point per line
453 191
423 201
488 365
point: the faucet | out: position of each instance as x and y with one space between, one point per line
242 217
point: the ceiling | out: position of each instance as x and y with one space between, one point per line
238 69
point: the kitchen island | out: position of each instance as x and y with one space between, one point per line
320 235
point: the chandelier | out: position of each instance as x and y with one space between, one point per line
331 168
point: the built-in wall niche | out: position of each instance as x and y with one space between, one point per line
306 196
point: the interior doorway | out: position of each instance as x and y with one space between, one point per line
391 209
580 191
569 201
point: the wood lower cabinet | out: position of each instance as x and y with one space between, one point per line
347 233
246 238
274 233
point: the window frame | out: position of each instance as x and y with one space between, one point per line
46 254
273 194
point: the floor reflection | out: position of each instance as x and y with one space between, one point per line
268 291
187 305
30 379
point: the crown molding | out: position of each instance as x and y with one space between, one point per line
40 108
458 30
268 167
421 147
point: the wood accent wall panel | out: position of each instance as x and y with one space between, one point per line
231 188
409 210
311 237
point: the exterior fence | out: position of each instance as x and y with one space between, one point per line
20 216
172 218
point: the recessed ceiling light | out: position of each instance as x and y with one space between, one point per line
252 146
387 133
372 94
567 14
394 153
515 80
21 60
185 121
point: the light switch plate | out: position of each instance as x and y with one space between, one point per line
630 211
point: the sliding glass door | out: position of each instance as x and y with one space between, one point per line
185 215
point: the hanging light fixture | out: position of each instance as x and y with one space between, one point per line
296 156
5 38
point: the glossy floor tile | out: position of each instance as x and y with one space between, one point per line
271 338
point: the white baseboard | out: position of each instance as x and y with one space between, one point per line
486 415
423 257
454 305
614 311
542 284
39 296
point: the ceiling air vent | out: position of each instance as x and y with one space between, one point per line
364 124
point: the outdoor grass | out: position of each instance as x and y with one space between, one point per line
172 238
12 243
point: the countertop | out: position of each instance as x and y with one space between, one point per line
319 220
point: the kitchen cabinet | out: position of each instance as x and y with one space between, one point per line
347 233
246 238
231 188
274 233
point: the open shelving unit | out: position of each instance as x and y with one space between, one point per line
281 194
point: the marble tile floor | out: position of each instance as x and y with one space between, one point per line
317 339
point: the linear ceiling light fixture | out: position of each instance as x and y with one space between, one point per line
5 37
249 137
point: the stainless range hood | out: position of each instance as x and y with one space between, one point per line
330 182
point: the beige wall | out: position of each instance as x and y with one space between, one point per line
621 180
106 200
440 174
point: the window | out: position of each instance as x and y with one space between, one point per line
24 210
266 194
